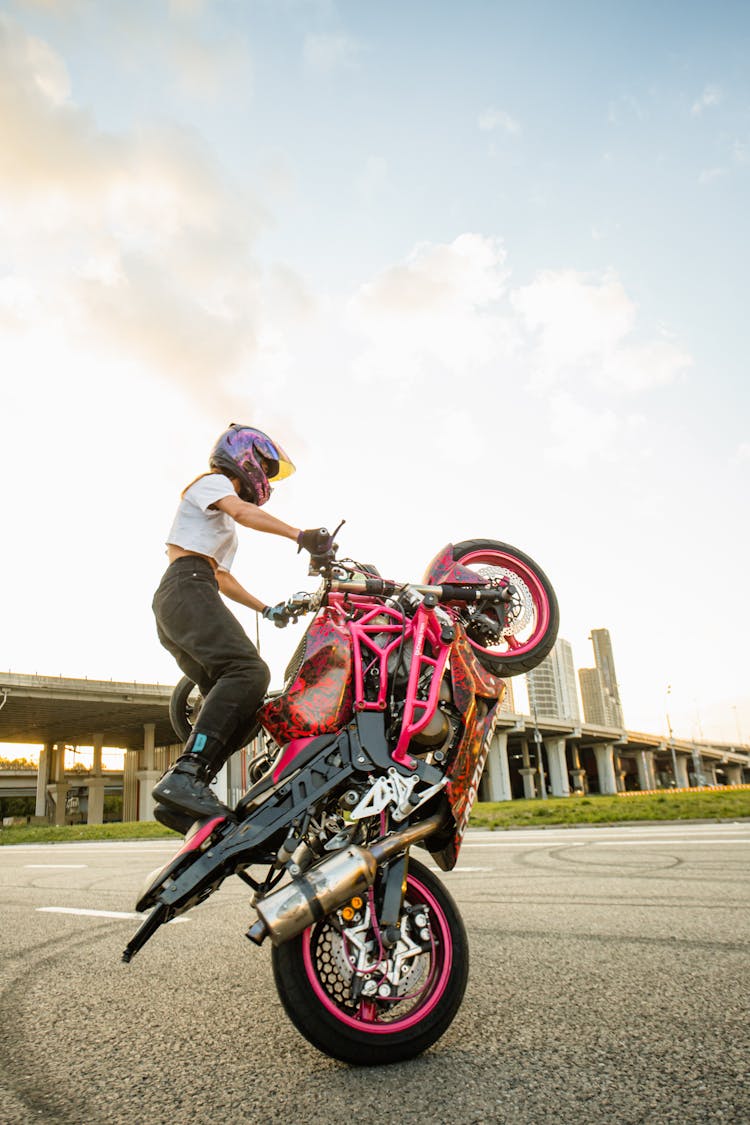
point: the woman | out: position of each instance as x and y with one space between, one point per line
195 625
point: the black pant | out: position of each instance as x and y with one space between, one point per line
212 648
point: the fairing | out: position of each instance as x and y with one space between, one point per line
443 568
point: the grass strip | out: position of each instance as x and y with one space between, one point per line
720 804
42 834
723 804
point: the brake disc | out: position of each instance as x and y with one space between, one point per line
522 606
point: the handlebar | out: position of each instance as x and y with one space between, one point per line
326 566
447 592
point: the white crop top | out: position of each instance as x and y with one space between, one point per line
198 527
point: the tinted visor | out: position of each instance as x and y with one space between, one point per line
276 464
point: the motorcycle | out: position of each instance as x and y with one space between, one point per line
376 744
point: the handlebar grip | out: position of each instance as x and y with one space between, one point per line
452 592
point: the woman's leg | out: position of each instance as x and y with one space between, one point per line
211 647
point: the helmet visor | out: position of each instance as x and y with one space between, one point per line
278 465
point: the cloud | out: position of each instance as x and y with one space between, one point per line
206 70
131 240
711 175
711 97
575 318
578 432
582 329
325 53
491 119
439 308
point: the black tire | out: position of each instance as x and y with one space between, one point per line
307 968
184 705
541 603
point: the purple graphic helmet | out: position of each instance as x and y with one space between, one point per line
253 458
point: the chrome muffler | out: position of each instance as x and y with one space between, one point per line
288 911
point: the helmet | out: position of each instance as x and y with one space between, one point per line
253 458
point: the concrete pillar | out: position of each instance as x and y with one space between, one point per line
683 780
42 780
619 771
605 768
148 775
149 747
709 773
580 781
734 773
496 771
529 783
644 760
130 786
57 786
557 766
96 785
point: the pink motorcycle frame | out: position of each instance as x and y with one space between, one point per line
375 632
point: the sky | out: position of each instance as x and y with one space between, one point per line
481 268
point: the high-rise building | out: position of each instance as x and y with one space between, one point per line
599 690
552 685
508 704
592 694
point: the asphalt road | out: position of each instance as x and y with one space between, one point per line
609 983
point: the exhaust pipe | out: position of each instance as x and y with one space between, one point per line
332 882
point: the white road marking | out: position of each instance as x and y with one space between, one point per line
673 840
460 870
97 913
644 843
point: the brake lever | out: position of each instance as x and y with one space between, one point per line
322 564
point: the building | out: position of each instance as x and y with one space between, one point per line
599 690
552 685
592 694
508 704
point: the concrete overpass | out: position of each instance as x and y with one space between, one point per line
528 757
58 712
560 757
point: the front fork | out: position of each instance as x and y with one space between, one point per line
393 899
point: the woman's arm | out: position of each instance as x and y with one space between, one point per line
231 588
248 515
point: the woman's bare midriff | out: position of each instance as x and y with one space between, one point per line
174 552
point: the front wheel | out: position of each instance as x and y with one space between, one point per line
524 633
365 1003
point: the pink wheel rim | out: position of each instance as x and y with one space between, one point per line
537 590
366 1020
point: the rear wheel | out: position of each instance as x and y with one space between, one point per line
366 1004
521 640
184 704
184 707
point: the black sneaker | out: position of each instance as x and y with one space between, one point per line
185 789
178 821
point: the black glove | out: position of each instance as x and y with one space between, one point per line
277 614
318 541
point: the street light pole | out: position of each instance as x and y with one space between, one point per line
671 739
539 762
